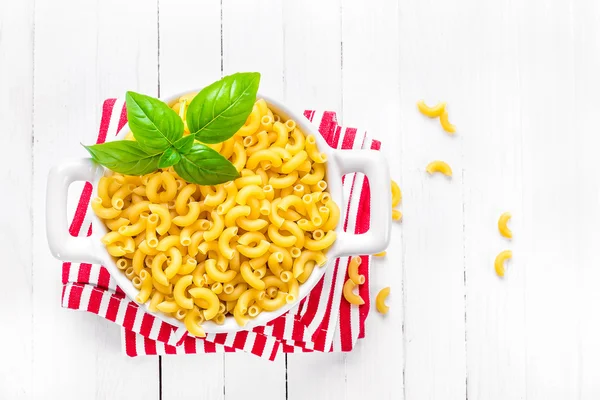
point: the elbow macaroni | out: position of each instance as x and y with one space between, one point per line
503 225
349 295
396 194
499 262
380 300
431 112
448 127
439 166
357 278
439 110
200 253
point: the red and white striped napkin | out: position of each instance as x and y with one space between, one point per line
324 321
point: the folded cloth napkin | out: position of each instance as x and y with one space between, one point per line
324 321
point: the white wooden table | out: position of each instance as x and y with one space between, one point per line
522 80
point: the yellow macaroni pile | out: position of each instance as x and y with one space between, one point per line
200 253
354 279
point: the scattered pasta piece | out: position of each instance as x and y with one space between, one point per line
499 263
431 112
439 166
396 215
396 194
503 225
380 300
382 254
353 271
448 127
349 295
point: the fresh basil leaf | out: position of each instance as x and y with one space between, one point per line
204 166
125 157
220 109
184 145
155 126
168 158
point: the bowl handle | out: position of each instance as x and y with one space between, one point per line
374 165
62 245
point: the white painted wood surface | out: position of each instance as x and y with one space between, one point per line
521 80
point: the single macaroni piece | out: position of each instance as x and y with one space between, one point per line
499 262
431 112
380 300
357 278
382 254
448 127
179 292
192 322
204 253
304 260
349 295
439 166
396 215
272 304
208 300
503 225
396 194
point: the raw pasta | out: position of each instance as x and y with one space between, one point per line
200 253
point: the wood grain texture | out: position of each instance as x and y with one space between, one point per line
16 173
82 57
521 81
492 131
313 80
370 73
190 58
553 151
253 41
431 68
586 61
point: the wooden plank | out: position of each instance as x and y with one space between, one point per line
190 44
432 45
205 371
312 55
371 71
586 60
190 58
492 134
81 57
556 150
313 81
16 171
256 46
253 41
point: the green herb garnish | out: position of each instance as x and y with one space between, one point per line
215 114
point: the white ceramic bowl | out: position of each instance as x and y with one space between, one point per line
90 249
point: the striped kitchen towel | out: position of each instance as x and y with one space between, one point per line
324 321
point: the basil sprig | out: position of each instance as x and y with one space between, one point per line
215 114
